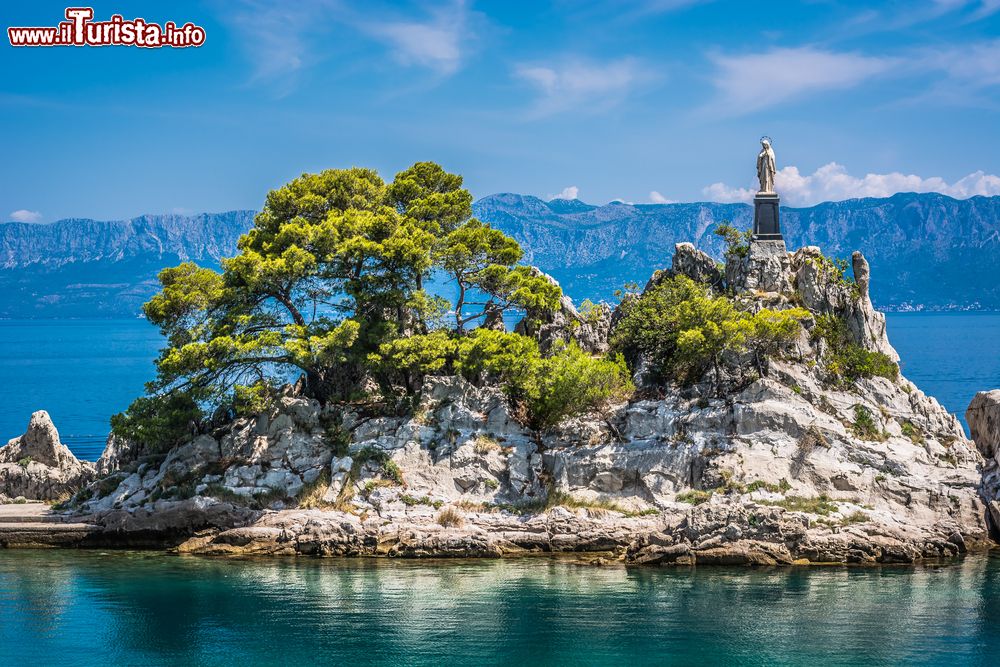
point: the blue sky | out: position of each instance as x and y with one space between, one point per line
649 100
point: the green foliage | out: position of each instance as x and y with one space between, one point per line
781 487
331 272
567 382
589 311
251 399
694 496
571 381
835 270
24 462
683 329
387 467
410 359
337 438
846 361
488 355
865 426
481 258
159 422
737 241
412 501
821 505
913 432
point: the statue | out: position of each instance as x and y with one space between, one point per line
765 165
766 226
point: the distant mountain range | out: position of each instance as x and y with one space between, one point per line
927 251
84 268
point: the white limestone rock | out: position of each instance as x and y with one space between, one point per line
38 466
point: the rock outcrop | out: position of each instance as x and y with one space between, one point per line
38 466
764 268
696 265
983 417
589 329
787 467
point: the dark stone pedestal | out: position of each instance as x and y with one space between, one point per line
765 217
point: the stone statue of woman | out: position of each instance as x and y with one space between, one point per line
765 165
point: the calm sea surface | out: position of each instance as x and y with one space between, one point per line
91 608
82 371
98 608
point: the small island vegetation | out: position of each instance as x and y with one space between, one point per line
362 289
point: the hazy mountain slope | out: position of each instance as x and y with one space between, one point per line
929 250
86 268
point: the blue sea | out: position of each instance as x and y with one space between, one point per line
91 607
83 371
120 608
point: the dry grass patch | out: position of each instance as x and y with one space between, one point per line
450 517
311 495
484 444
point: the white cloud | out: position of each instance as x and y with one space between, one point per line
437 43
278 38
754 81
582 85
975 63
656 198
831 182
282 39
569 192
24 215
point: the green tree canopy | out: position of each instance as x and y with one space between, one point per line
682 329
333 268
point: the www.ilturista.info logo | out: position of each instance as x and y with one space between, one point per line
80 30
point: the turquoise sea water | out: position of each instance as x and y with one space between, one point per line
92 608
82 371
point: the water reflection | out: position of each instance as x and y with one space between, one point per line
94 608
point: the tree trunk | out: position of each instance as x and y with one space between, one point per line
459 326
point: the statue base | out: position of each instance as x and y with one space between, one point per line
765 217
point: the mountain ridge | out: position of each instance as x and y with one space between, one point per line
937 252
934 252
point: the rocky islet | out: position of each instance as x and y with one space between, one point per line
776 472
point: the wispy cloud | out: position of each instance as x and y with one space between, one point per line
284 39
754 81
967 70
438 43
24 215
582 85
622 12
832 182
278 38
985 8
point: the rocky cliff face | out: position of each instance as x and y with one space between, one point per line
37 466
786 468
